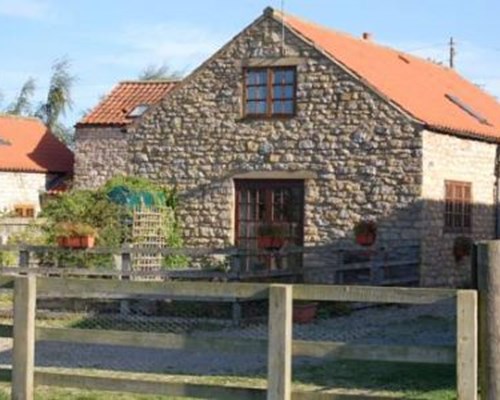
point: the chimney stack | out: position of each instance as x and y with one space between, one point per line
367 36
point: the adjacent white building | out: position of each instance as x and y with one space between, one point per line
32 162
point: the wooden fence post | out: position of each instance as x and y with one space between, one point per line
467 356
23 363
279 365
488 282
126 267
24 258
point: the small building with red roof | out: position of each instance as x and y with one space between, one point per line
101 142
32 161
295 128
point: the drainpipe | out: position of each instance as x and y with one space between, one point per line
497 193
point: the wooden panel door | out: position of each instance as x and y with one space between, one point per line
269 202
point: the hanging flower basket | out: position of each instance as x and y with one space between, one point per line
269 242
271 236
304 313
366 239
365 233
462 247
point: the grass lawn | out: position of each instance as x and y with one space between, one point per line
386 380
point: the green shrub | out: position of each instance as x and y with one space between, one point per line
111 222
32 235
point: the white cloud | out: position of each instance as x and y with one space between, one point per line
29 9
179 46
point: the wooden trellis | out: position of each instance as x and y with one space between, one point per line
148 231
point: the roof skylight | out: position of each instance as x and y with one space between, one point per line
138 110
468 109
4 142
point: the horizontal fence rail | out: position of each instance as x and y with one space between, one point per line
361 266
279 346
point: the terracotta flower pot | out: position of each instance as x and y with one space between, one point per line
87 242
460 253
76 242
304 313
269 242
366 239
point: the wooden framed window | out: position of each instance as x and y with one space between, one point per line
270 92
24 210
458 206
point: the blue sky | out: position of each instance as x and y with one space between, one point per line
112 40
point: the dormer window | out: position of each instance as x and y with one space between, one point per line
138 110
270 92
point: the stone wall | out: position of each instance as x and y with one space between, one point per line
364 153
21 188
451 158
100 154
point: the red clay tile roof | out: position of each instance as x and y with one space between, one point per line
27 145
425 90
123 99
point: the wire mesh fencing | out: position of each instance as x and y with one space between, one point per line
371 346
190 325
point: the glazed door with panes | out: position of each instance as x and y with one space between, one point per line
269 203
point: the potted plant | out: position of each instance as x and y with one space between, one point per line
75 235
462 247
304 312
365 232
271 236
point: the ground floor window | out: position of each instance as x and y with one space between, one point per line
270 207
458 206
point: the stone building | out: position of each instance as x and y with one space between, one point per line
101 142
296 124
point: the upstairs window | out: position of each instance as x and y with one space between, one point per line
458 206
270 92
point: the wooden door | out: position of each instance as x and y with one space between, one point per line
269 202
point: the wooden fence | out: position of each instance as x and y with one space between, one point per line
280 346
378 266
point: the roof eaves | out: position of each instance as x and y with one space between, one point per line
102 124
349 71
25 169
463 133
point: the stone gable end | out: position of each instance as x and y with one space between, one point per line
361 156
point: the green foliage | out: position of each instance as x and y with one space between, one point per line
162 195
171 231
31 235
22 104
57 102
87 210
273 230
365 227
59 95
159 73
91 208
68 229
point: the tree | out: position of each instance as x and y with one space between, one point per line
59 95
22 104
58 100
159 73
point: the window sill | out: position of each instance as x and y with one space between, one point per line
277 117
465 231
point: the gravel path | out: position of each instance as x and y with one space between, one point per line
410 325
